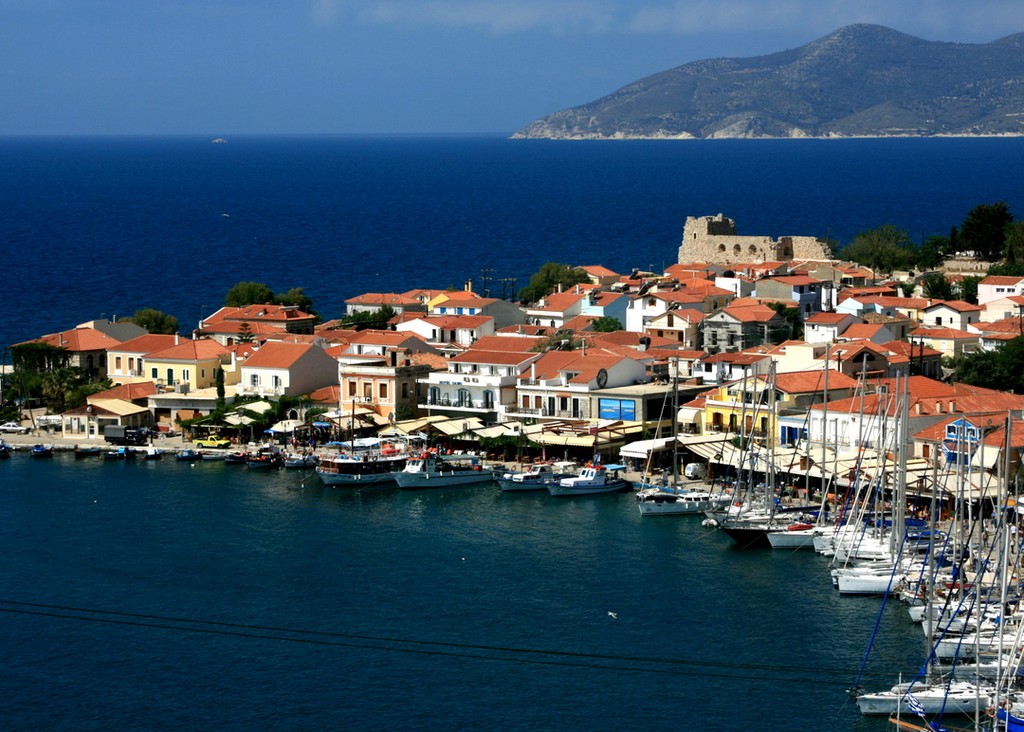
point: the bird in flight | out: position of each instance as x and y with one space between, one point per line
613 616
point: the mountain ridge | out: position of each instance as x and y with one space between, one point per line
858 81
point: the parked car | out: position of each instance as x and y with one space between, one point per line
13 427
211 441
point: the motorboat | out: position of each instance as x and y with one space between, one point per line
664 501
42 451
189 455
429 470
957 697
591 480
296 460
536 478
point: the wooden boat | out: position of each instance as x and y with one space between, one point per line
89 451
188 454
590 481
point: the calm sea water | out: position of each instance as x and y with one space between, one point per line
236 600
94 227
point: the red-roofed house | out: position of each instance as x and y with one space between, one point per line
950 342
85 346
226 324
478 382
874 332
287 369
442 329
955 314
736 328
805 291
190 365
827 327
565 385
1002 308
126 361
996 287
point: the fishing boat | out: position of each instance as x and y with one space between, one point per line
121 453
429 470
88 451
265 459
151 453
536 478
189 455
236 458
591 480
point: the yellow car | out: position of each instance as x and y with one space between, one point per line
211 441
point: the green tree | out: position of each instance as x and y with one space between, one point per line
297 297
155 321
998 369
606 324
969 289
983 231
245 334
218 380
792 318
936 286
932 253
369 319
248 293
886 249
38 357
1014 244
57 386
548 278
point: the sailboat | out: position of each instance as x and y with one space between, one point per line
673 498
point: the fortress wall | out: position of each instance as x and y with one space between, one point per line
714 239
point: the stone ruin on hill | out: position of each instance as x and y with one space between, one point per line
713 239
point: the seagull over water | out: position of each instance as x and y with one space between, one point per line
613 616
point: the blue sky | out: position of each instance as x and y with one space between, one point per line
219 67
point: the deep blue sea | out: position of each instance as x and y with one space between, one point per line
159 596
155 596
93 227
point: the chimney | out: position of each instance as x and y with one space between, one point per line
938 407
177 339
917 408
952 406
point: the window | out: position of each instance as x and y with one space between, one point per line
617 408
117 363
153 374
352 387
382 390
254 380
275 381
488 399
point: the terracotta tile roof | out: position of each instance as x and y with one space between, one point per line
752 313
511 344
129 392
859 331
804 382
189 350
795 280
265 312
558 302
435 361
551 364
598 271
454 322
278 355
959 305
145 344
1006 325
1001 280
827 318
380 299
78 340
502 358
945 334
375 337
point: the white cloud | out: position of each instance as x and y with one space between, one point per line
496 16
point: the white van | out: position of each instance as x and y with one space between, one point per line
695 471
